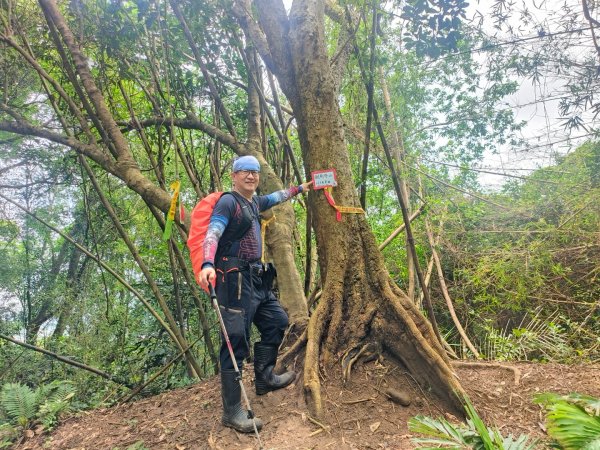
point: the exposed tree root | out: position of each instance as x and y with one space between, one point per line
294 336
363 313
515 370
294 350
367 351
315 329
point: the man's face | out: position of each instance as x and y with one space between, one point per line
245 181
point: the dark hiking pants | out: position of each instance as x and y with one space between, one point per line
245 296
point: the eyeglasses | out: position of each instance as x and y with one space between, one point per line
245 173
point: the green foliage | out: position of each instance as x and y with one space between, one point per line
8 434
434 26
19 403
446 110
525 279
53 399
473 435
572 420
21 406
541 340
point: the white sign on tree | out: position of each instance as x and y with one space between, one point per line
324 178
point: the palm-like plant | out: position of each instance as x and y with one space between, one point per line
573 420
53 399
473 435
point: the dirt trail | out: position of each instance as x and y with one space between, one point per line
359 415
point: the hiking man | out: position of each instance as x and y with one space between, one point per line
244 287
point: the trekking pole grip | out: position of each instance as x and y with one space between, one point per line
211 291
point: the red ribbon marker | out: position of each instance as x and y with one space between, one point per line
338 214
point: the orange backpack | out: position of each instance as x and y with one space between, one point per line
200 220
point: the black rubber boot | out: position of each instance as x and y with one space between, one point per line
265 358
234 416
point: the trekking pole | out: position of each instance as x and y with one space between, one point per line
213 297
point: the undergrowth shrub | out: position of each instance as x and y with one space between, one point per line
21 407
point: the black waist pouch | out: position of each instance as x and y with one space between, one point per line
269 276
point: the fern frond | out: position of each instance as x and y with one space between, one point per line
593 445
7 435
487 438
55 398
547 398
521 443
55 391
7 431
19 403
475 435
589 403
49 412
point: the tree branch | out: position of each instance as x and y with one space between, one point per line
121 146
211 85
190 123
242 11
68 361
94 153
84 250
593 23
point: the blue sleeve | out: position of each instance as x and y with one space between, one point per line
268 201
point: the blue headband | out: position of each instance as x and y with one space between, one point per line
246 163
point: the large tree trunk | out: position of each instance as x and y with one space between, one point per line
360 304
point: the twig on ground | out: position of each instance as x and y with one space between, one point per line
360 400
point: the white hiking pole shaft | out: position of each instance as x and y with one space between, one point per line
213 297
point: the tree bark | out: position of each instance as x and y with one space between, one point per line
114 155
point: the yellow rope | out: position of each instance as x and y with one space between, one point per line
263 231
